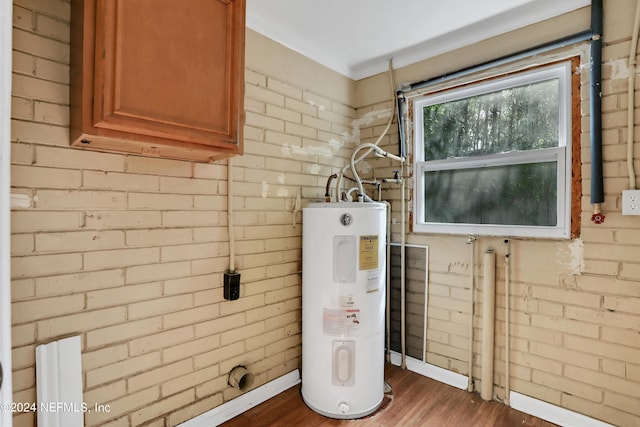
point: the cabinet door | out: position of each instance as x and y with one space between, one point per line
166 71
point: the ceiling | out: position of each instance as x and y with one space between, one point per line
357 37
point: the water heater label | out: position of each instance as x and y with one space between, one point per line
341 322
368 252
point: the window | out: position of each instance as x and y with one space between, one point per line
494 158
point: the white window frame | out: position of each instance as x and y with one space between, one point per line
561 155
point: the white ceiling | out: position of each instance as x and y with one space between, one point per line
357 37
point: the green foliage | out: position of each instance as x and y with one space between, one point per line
512 119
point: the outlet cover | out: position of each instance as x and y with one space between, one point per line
631 202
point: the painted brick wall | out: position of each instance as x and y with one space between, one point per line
575 304
129 252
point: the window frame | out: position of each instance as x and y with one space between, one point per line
562 154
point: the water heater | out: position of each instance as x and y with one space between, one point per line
343 308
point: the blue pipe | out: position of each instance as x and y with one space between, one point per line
595 105
594 35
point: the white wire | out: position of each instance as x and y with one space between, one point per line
631 96
384 132
230 224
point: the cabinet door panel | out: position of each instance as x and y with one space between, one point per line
192 85
163 73
171 68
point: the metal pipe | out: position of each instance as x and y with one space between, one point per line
471 241
388 288
507 321
403 240
536 50
403 280
595 104
400 100
594 34
327 191
378 152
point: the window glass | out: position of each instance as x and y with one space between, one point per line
494 157
523 194
517 118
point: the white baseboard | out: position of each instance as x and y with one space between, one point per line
528 405
431 371
242 403
552 413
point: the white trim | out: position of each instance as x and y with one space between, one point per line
6 33
528 405
520 402
59 382
431 371
243 403
562 72
555 155
552 413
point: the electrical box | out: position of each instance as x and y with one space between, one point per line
631 202
231 289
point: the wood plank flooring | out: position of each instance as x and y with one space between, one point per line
417 401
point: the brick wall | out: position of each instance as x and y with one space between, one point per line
575 310
128 252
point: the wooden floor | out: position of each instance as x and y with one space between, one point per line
417 401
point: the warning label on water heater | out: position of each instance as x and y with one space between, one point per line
341 322
340 315
368 252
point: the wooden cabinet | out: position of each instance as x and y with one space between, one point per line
161 78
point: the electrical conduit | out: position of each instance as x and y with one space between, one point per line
595 112
594 35
631 97
403 279
230 225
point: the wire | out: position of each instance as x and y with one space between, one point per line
382 135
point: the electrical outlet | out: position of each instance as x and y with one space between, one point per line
631 202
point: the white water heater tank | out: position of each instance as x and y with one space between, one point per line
343 308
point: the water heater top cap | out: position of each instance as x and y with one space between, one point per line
349 205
